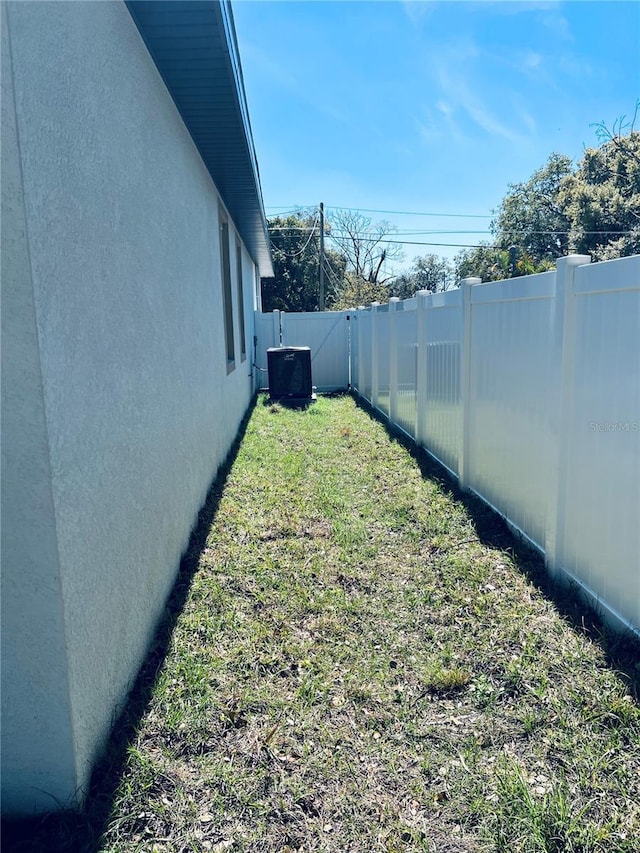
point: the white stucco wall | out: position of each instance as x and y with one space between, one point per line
117 405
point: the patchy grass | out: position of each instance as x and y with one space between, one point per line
366 662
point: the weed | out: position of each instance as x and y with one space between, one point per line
445 682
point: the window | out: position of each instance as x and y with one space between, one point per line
243 343
226 293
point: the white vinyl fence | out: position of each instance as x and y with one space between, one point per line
267 331
528 390
326 333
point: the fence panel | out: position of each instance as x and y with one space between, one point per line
267 331
443 416
511 395
407 338
362 366
382 357
601 543
327 335
354 345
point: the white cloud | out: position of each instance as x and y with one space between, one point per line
531 60
528 120
418 11
459 97
475 91
438 125
508 7
575 66
558 25
269 67
306 86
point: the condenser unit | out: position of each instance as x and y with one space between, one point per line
289 373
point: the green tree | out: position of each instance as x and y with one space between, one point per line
355 291
602 198
533 217
494 264
429 272
592 209
295 249
485 261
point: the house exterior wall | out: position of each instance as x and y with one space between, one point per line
118 407
33 648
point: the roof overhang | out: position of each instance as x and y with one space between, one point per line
193 44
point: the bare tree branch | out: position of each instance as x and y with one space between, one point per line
364 244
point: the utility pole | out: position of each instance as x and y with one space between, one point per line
321 298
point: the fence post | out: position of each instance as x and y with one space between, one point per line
393 359
423 305
563 358
464 461
374 354
276 328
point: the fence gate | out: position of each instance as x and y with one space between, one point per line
326 333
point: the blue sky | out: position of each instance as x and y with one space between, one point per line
428 107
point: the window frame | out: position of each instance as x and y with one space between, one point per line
227 296
240 286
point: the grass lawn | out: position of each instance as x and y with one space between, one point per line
365 661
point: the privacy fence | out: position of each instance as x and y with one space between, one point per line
528 390
326 333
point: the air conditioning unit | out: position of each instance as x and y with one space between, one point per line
289 373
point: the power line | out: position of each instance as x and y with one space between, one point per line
292 227
329 267
392 238
392 242
332 278
445 245
309 238
524 231
298 207
418 231
420 243
364 238
415 213
291 209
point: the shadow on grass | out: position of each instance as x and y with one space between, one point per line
298 402
81 832
622 651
